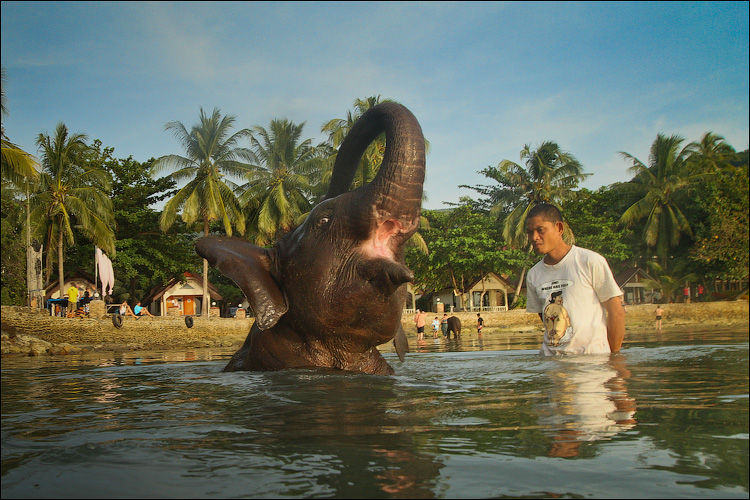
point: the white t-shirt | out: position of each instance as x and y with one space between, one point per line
569 295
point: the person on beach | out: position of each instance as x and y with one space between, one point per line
585 284
480 324
444 324
435 326
659 315
72 300
139 310
125 310
420 321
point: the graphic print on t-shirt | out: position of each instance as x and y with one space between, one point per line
556 317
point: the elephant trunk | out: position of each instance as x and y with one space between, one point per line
394 196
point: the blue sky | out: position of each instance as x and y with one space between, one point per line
483 79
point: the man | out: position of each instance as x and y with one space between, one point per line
139 310
72 300
420 321
574 284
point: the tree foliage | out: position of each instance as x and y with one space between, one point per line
73 193
660 183
549 175
463 245
279 189
596 226
721 247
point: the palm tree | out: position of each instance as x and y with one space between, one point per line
18 166
666 175
71 192
711 154
549 176
20 169
668 278
211 155
338 128
278 189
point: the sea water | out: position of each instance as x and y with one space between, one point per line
474 418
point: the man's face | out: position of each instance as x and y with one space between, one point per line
544 235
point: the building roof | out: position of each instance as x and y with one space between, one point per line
157 292
631 275
78 275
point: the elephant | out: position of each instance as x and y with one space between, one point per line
454 325
333 289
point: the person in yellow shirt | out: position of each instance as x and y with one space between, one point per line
72 299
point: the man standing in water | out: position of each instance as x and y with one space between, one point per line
579 282
659 314
420 321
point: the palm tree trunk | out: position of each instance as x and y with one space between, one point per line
30 283
48 263
205 306
518 288
520 282
61 276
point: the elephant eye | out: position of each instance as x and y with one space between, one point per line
323 221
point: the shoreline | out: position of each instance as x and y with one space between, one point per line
31 332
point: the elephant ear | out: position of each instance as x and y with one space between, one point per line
249 267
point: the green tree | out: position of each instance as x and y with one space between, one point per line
721 247
669 278
278 189
72 192
19 169
463 245
549 175
13 276
711 154
338 128
146 257
590 215
211 155
659 184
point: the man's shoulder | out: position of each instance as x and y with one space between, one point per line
538 267
586 254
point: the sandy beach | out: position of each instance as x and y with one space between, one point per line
29 332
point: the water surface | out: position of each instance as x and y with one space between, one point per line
667 418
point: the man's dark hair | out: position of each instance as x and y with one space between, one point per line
549 212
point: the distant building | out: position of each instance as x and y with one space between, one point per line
491 293
179 297
631 281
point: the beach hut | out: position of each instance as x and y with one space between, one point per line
182 296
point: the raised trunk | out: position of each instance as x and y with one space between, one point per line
396 191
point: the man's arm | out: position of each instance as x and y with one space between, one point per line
615 323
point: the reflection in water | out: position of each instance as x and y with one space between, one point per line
587 401
349 427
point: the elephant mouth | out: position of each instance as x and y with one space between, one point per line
384 241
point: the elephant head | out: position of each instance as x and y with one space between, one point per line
326 294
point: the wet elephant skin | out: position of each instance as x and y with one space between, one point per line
329 292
